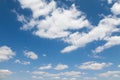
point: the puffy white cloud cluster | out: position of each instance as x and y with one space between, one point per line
53 22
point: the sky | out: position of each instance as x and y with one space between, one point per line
59 39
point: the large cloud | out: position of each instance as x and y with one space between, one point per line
53 22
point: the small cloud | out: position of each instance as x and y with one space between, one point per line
22 62
31 55
46 67
6 53
92 65
61 67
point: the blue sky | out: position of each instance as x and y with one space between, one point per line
59 40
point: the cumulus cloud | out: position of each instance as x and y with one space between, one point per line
58 23
6 53
116 8
109 74
4 73
61 67
22 62
49 66
31 55
104 29
92 65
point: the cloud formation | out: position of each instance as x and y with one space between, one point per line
50 21
92 65
31 55
6 53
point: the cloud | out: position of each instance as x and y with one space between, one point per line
31 55
6 53
92 65
112 41
109 74
119 66
110 1
38 7
61 67
63 74
46 67
22 62
52 22
90 78
105 28
44 55
116 8
4 73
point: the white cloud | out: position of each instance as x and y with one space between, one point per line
49 66
61 74
105 28
109 74
22 62
38 7
4 73
111 41
6 53
119 66
31 55
110 1
92 65
61 67
59 21
116 8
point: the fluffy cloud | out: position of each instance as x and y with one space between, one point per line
56 25
31 55
105 28
22 62
109 74
4 73
116 8
49 66
38 7
53 22
6 53
92 65
61 67
112 41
